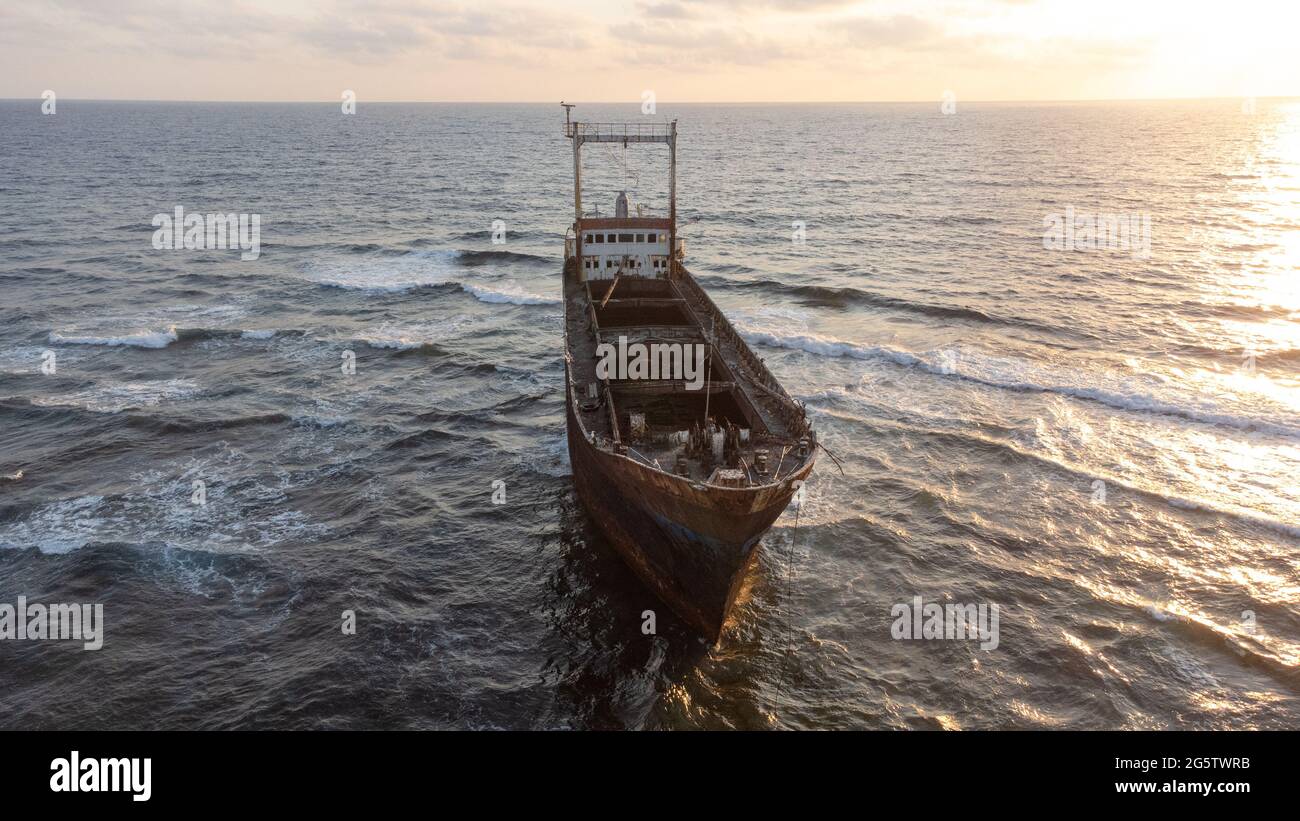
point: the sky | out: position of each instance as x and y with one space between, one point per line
616 50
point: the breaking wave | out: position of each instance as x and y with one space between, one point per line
507 295
115 397
136 339
492 257
388 274
1002 375
843 297
1083 473
828 346
161 339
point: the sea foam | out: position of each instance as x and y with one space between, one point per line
1028 377
137 339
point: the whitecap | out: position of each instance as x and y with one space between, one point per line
1025 376
119 396
137 339
382 274
511 295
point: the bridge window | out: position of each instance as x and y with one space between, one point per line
651 237
640 237
624 237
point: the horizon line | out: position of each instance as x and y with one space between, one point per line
669 102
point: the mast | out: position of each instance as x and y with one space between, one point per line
672 200
625 133
570 128
577 181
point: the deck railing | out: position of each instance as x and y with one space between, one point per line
618 132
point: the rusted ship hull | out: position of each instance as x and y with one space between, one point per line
683 467
691 545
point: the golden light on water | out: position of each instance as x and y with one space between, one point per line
1271 276
1277 285
1252 264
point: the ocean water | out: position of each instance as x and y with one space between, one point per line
1102 442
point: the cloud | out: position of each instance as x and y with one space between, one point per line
667 11
895 32
675 44
792 6
342 30
694 49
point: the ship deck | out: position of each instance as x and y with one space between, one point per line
740 390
